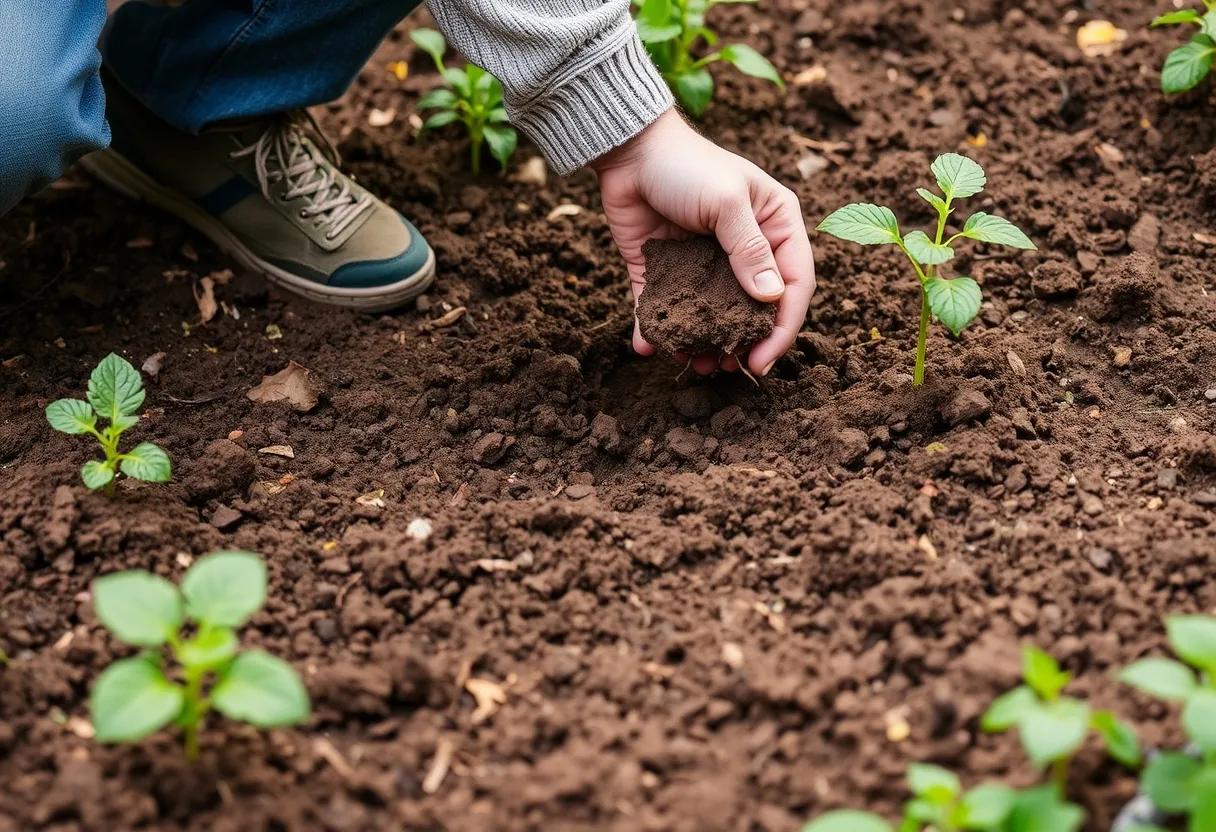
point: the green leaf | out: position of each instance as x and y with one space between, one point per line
459 79
695 89
1169 779
933 782
1203 811
869 225
209 649
1193 639
115 388
439 119
262 690
224 589
848 820
955 302
96 474
438 98
498 116
750 62
132 699
1053 731
432 43
1208 24
1041 810
933 199
1187 65
1163 678
958 176
925 251
72 416
657 32
1199 719
147 462
986 806
1042 672
1008 709
138 607
989 229
502 142
1121 741
1176 18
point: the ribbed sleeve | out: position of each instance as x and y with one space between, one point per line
578 81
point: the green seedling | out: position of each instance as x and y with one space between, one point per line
674 31
1051 726
116 392
1181 783
953 301
137 696
471 96
1190 63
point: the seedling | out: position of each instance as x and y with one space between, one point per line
1051 726
953 301
1190 63
1181 783
673 30
471 96
137 696
115 395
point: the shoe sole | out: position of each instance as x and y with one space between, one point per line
112 169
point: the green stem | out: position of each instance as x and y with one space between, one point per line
1059 777
475 140
195 707
922 341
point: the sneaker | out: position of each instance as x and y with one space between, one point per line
270 192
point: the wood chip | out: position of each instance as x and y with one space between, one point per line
439 766
489 697
566 209
278 450
446 319
926 546
375 499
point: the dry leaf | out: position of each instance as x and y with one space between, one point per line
399 69
153 364
1110 154
489 697
812 163
204 297
446 319
375 499
566 209
1016 363
1099 38
294 385
381 118
278 450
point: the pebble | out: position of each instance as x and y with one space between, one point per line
225 517
579 492
1177 424
419 529
1210 394
966 406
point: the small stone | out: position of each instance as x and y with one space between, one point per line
966 406
492 447
1210 394
419 529
1204 498
225 518
1177 424
1091 504
1100 558
1121 356
605 433
1145 234
579 492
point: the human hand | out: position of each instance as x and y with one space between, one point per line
669 181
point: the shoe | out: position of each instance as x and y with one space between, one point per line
270 192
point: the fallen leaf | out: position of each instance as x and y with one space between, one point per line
294 385
381 118
446 319
153 364
1110 154
812 163
1016 363
1100 38
566 209
278 450
489 697
439 766
375 499
399 70
204 298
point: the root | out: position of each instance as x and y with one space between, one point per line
685 370
743 368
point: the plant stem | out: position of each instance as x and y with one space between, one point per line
1059 776
475 151
922 341
195 707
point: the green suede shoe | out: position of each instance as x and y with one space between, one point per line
269 192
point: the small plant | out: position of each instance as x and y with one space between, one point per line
471 96
1190 63
116 392
672 31
953 301
135 697
1051 726
1180 783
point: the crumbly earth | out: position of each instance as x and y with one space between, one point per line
709 606
693 302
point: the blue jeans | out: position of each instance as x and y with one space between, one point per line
192 65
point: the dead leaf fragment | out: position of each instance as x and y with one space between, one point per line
204 298
566 209
489 697
816 74
375 499
399 70
152 365
381 118
1016 363
1100 38
294 385
278 450
1109 154
812 163
446 319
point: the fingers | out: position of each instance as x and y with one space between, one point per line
785 230
640 345
751 255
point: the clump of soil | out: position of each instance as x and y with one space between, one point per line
693 302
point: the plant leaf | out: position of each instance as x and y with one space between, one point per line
1193 639
933 782
1008 709
71 416
1041 810
209 649
460 81
1042 672
147 462
657 33
986 806
1176 18
262 690
869 225
502 142
1163 678
440 119
1169 780
132 699
432 43
1187 65
927 252
1054 730
750 62
958 176
695 89
1203 810
933 199
224 589
138 607
989 229
1121 741
96 474
955 302
115 388
437 98
1199 718
847 820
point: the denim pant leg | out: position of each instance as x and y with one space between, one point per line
211 60
52 109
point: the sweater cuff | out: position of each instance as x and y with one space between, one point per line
596 107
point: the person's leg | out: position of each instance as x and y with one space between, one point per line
52 109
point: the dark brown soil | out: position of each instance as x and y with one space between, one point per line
693 302
708 606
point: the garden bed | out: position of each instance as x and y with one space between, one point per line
691 604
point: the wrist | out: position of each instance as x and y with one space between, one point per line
629 151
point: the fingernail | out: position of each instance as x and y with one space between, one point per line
764 372
768 282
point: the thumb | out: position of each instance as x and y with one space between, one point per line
751 256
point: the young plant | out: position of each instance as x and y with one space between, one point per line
673 30
471 96
953 301
1181 783
116 392
1190 63
1051 726
135 697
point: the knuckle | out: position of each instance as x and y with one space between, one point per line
753 247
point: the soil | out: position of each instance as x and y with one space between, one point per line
685 605
693 302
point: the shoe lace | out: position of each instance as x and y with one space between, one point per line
288 150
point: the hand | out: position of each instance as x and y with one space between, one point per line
668 181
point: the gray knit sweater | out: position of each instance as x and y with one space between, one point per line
578 81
